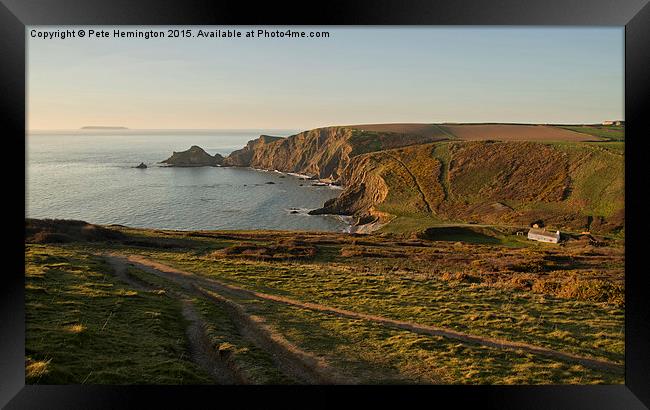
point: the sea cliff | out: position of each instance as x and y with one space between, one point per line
321 152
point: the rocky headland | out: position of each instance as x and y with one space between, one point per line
194 157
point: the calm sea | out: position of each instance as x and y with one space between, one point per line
89 175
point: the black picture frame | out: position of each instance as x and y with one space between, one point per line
15 15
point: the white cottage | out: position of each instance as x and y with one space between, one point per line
542 235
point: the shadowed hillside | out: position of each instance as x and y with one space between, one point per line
578 187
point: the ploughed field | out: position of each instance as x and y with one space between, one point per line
502 132
455 304
514 132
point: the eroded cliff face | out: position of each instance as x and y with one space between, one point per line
194 157
487 182
322 152
365 187
243 157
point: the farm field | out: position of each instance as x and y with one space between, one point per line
501 132
466 305
610 132
516 132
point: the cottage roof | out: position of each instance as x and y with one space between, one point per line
543 232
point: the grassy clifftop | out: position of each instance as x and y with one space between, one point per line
360 306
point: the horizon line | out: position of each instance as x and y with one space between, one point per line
124 128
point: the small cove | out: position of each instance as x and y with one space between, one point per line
91 176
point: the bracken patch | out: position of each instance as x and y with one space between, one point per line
272 252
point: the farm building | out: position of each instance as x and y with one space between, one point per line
542 235
611 122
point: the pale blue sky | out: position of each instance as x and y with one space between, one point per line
358 75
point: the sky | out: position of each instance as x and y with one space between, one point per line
356 76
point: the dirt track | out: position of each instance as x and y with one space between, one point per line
201 351
292 361
222 288
299 365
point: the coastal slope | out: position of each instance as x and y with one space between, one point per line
569 186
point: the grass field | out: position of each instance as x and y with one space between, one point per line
273 319
83 326
609 132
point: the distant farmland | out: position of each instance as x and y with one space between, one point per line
609 132
501 132
516 132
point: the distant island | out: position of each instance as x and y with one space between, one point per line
99 127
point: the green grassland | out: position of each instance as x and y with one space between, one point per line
570 186
85 326
453 304
373 354
611 132
598 179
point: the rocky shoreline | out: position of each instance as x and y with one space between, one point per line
198 157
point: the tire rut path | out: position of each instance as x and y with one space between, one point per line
295 363
200 349
503 344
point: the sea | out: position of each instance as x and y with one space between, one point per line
90 175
